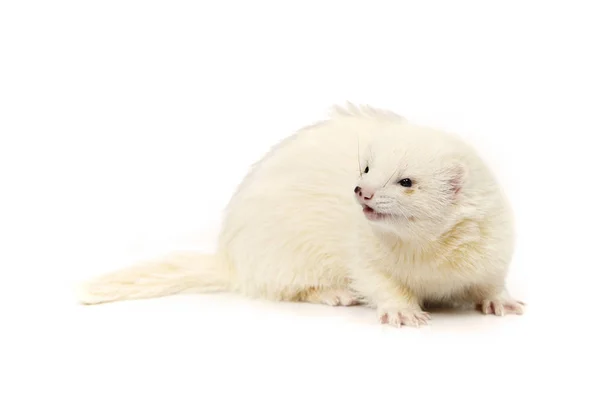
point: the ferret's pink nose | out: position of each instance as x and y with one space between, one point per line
364 194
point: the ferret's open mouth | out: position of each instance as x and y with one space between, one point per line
372 214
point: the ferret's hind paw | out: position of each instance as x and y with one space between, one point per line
407 316
332 297
339 297
501 307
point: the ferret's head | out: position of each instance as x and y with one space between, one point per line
411 183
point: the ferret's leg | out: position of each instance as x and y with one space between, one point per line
330 296
396 304
495 299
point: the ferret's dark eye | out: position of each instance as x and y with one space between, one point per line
405 182
366 170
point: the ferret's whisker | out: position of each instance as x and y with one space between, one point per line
402 212
390 178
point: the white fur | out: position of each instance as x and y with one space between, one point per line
295 231
175 273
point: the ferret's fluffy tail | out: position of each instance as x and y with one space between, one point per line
173 274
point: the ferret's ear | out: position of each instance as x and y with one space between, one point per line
455 175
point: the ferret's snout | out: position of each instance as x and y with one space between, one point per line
364 194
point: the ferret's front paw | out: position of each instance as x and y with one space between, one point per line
405 316
502 307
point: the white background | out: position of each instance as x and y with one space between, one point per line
125 126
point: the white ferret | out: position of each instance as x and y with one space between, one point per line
364 208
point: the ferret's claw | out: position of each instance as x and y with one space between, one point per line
409 317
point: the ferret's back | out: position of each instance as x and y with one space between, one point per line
296 207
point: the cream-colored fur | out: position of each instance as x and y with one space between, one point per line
295 230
